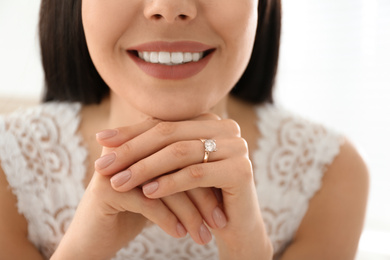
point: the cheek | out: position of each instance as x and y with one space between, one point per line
236 20
104 23
236 24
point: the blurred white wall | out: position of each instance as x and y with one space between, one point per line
334 69
20 69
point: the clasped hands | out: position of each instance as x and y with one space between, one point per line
156 169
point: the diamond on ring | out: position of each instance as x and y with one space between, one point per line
210 145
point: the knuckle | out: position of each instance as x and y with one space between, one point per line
196 172
244 166
165 128
233 127
180 149
125 148
243 145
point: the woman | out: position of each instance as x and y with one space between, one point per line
176 156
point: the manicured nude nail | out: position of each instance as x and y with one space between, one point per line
105 161
219 217
109 133
181 230
150 188
120 178
204 234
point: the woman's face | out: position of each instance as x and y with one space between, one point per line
170 59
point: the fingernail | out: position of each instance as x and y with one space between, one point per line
105 161
120 178
150 188
219 217
107 134
181 230
205 234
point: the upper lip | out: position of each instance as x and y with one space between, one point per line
180 46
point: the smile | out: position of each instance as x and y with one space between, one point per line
170 58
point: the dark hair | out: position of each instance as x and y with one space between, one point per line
71 76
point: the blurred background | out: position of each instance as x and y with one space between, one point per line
334 69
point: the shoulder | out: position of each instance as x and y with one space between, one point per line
39 152
336 183
312 185
334 221
14 127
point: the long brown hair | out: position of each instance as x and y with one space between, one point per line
71 76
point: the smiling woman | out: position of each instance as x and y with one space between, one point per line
139 151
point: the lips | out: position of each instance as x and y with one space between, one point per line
171 60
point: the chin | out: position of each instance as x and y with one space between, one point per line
175 113
176 116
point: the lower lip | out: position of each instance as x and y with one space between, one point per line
173 72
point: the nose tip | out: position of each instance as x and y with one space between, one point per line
170 10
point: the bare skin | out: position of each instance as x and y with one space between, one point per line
330 229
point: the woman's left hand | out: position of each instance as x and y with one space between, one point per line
168 158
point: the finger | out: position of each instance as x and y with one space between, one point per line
173 157
118 136
153 209
207 203
229 175
189 216
160 136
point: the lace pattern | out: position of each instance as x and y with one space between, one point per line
44 159
44 163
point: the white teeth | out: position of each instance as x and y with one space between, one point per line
154 57
146 56
195 56
187 57
170 58
164 57
177 57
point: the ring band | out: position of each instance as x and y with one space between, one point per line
209 146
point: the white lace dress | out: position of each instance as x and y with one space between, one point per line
44 159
